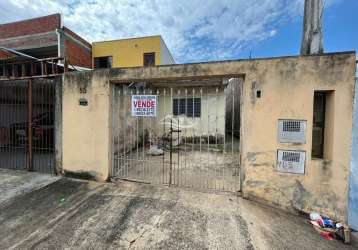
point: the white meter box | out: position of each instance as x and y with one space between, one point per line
290 161
292 131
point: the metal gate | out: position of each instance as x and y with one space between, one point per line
27 125
191 141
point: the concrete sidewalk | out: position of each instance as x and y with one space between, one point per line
76 214
16 182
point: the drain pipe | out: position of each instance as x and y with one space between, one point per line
61 47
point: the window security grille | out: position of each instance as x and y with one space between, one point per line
292 131
291 126
291 156
191 107
291 161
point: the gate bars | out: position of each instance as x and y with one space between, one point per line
193 144
27 125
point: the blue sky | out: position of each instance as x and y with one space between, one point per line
340 32
199 30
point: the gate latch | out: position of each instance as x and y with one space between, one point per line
174 130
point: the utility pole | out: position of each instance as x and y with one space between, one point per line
312 38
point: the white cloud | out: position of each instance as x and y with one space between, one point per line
194 30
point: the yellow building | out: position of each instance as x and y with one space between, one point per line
132 52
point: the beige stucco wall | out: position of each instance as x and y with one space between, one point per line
85 129
287 86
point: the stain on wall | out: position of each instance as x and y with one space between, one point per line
86 143
288 85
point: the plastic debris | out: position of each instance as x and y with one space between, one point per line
327 235
327 228
328 223
314 223
155 151
62 200
315 216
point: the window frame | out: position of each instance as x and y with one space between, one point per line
180 106
109 62
322 125
148 54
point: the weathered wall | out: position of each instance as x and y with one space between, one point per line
86 129
287 87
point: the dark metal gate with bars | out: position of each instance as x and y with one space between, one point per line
192 141
27 125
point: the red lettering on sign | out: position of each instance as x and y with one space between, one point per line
144 104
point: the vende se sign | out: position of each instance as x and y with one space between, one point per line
144 105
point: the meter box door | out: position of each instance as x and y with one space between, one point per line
292 131
291 161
